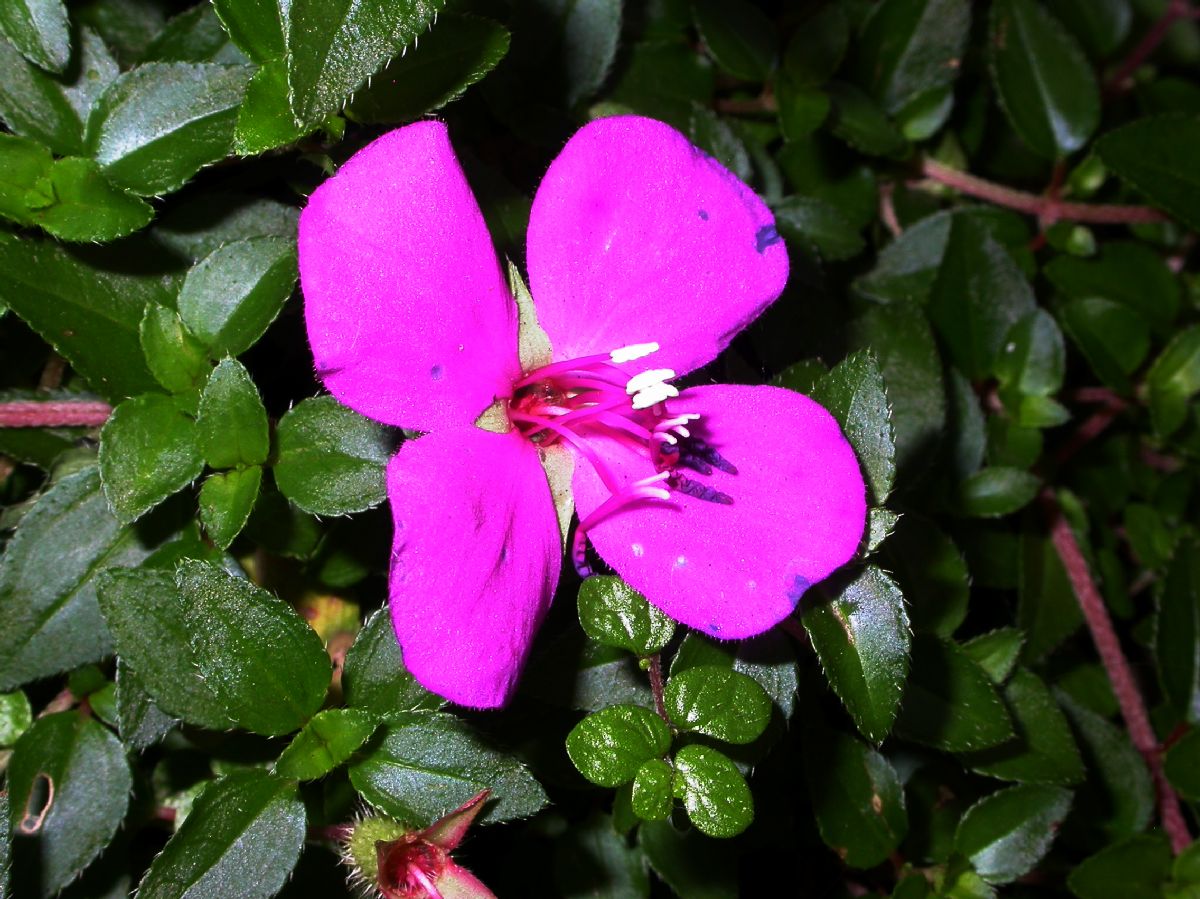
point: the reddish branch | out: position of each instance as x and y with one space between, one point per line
1175 11
656 687
1120 675
64 414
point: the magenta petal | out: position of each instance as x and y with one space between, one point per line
637 236
475 560
797 512
456 882
409 318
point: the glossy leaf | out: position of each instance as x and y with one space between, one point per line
40 30
326 741
254 25
15 717
226 500
719 703
1136 868
997 490
613 613
172 353
738 35
609 746
1173 380
374 677
1125 272
821 225
1152 155
140 722
1033 358
996 652
1112 338
1007 833
914 47
231 426
652 796
713 791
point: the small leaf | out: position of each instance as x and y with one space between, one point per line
932 574
1177 634
1044 81
1136 868
652 795
861 637
813 221
40 30
226 500
816 48
613 613
1112 337
174 356
147 452
374 678
242 838
331 459
996 491
265 120
1125 272
24 172
996 652
15 717
230 297
1182 765
326 741
718 702
739 36
140 722
71 770
912 47
1153 155
424 765
857 120
231 426
194 35
1173 380
1007 833
254 25
87 207
1033 359
713 791
609 746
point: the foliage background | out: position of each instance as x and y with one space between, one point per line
989 208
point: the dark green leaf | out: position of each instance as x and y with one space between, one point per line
996 491
716 136
1047 610
594 852
858 121
15 717
148 451
816 48
1101 25
1182 765
71 770
160 123
1007 833
242 838
460 51
47 580
226 500
912 47
326 741
334 46
40 30
615 614
265 119
1173 380
195 227
1113 338
1044 81
815 222
609 746
148 618
996 652
768 658
1177 633
1137 868
857 798
140 722
261 660
1153 155
281 528
931 572
231 427
1033 358
738 35
24 177
802 110
713 791
375 679
949 703
173 355
331 459
1129 273
718 702
89 314
195 35
652 793
861 637
428 764
84 206
254 25
853 392
694 866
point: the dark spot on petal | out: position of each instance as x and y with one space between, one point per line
436 372
714 628
504 554
798 587
324 373
703 215
764 237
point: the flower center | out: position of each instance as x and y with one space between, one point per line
578 399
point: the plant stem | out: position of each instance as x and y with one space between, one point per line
1047 209
1176 10
656 687
1120 675
59 414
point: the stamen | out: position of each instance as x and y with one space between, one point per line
632 352
648 378
700 491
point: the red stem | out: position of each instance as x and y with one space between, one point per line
1176 10
64 414
1120 675
1044 208
656 687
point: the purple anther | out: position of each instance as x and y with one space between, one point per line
579 554
699 491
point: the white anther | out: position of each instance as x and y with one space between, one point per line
667 438
633 351
653 395
682 431
646 379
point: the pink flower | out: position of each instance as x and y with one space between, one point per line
721 504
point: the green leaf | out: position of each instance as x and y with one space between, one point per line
1182 765
857 120
609 746
857 798
73 771
334 46
195 227
718 702
1177 634
713 791
326 741
47 580
652 793
265 119
40 30
738 35
231 426
932 574
226 500
261 660
15 717
1113 338
331 460
820 224
1173 380
949 703
1125 272
594 852
768 658
977 297
1137 868
374 678
912 47
86 207
173 355
425 765
1033 358
148 617
613 613
1007 833
691 864
195 35
230 297
159 124
996 652
1045 83
714 135
24 175
254 25
1047 610
460 51
242 838
862 640
996 491
147 452
853 392
1101 25
140 722
87 311
802 110
1153 156
816 48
